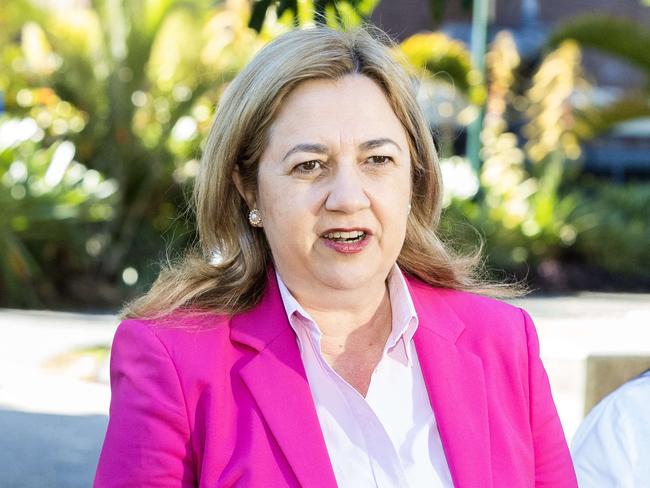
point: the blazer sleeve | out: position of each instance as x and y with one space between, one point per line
148 436
553 465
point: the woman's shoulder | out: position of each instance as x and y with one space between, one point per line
461 298
182 319
470 306
483 320
178 322
180 334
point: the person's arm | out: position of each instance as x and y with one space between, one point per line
599 449
148 437
553 466
612 444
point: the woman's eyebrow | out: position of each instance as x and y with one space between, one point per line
374 143
311 147
308 147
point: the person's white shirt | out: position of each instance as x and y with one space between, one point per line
390 438
612 446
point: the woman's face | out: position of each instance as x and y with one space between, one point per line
334 185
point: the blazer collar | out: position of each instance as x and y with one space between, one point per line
261 325
453 376
276 379
434 313
254 328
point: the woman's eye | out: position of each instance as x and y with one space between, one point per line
307 166
379 160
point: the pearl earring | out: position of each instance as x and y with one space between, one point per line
255 218
409 208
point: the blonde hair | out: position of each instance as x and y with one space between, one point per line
236 280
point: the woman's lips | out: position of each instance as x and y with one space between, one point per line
347 247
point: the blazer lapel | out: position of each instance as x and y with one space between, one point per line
454 379
277 381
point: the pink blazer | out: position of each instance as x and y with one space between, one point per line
224 402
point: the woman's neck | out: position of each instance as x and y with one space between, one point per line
362 322
345 322
353 345
355 325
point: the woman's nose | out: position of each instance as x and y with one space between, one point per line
347 192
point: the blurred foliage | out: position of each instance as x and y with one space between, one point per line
519 206
335 13
622 39
527 201
133 96
44 195
107 107
449 89
616 36
440 56
615 226
596 120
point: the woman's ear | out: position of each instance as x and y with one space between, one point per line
248 196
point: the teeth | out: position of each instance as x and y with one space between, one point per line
355 234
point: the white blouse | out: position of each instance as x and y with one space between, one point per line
389 438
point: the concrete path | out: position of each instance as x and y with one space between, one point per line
52 422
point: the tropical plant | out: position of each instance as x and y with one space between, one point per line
142 96
522 206
439 55
624 39
335 13
449 89
615 226
49 204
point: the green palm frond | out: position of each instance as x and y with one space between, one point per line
439 55
627 41
593 121
622 38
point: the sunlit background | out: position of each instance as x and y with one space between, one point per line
541 115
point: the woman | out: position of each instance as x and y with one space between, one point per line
325 336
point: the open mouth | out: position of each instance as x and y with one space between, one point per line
352 236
